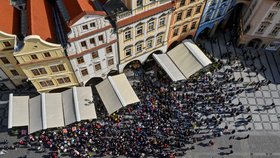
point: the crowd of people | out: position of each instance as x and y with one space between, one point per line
168 121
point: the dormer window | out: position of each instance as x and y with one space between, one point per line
139 3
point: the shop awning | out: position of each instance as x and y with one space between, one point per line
18 111
182 61
116 92
51 110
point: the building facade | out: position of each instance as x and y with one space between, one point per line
214 13
141 27
260 25
11 75
185 20
92 43
41 58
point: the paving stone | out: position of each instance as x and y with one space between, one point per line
256 117
243 100
264 88
258 94
251 101
275 94
250 94
272 111
266 94
260 101
267 126
278 109
258 126
254 109
265 118
273 118
276 101
272 87
275 126
268 101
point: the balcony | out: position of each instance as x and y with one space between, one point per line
151 5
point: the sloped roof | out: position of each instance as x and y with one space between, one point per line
78 8
40 19
10 18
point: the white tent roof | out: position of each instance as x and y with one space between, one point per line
18 111
116 92
182 61
50 110
35 115
86 106
53 110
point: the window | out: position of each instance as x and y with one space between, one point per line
110 62
35 72
92 24
191 1
80 60
109 49
84 72
57 68
151 26
193 25
139 30
175 32
270 16
275 31
42 71
262 27
127 35
39 71
182 3
128 51
189 13
94 55
149 43
46 83
97 67
162 22
4 60
139 3
101 39
85 27
63 80
7 44
14 72
92 41
198 9
61 67
34 56
139 47
185 27
47 54
83 44
159 39
179 16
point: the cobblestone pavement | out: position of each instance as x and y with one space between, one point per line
264 141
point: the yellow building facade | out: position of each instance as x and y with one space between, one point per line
45 64
8 63
185 20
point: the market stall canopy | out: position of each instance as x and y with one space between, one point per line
182 61
50 110
18 111
116 92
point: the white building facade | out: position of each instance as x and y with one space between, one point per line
92 47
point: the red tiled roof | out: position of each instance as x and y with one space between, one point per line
144 15
78 8
10 18
40 19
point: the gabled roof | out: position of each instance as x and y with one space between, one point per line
78 8
10 18
40 19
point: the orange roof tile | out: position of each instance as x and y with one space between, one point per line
10 18
78 8
40 19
